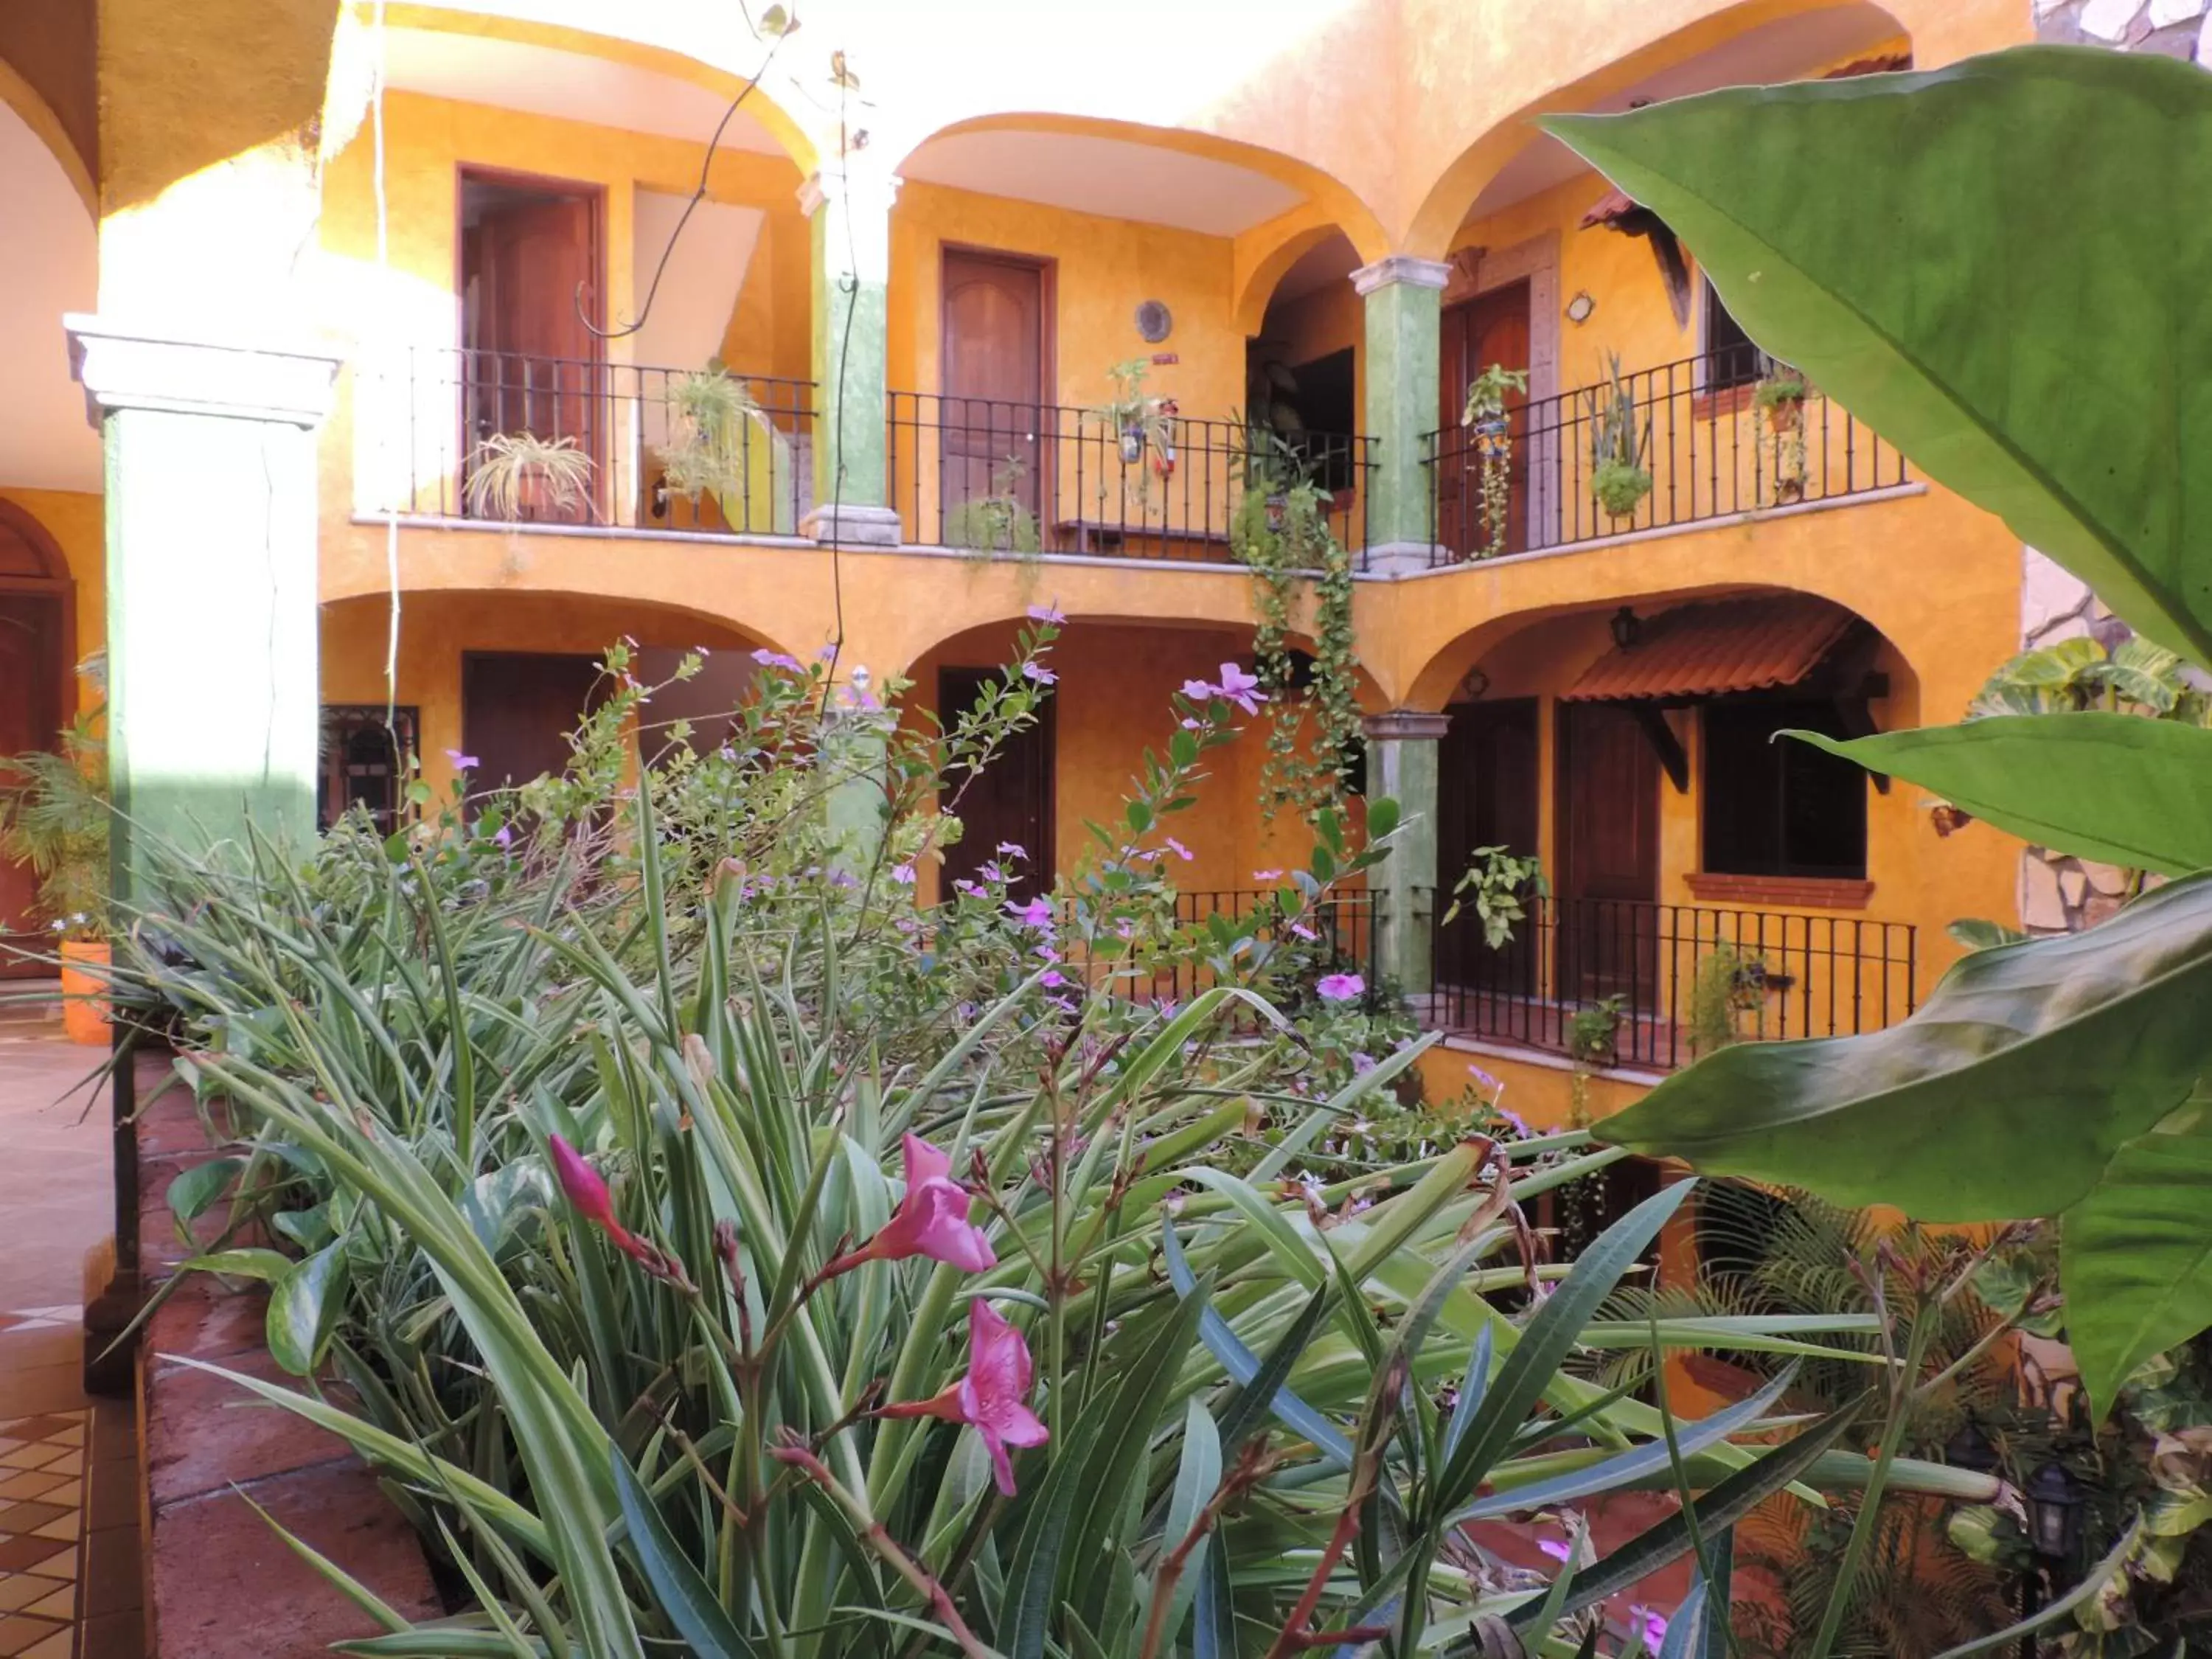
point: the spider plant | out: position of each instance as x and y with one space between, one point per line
54 815
517 475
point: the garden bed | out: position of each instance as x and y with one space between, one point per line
220 1582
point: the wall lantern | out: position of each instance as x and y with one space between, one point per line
1627 628
1580 307
2054 1512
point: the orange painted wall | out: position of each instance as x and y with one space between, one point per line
1103 270
76 520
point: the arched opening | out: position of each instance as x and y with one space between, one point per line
38 626
1628 396
1702 882
502 678
1114 682
1067 338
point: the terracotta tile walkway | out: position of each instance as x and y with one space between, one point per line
70 1581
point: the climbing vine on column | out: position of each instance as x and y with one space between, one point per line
1281 533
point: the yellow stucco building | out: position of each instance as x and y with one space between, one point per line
322 265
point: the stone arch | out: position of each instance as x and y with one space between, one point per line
1323 192
18 94
34 572
1485 153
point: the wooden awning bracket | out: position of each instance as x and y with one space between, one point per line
1664 743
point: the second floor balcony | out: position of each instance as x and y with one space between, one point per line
1710 437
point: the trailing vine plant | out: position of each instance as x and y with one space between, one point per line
1486 416
1281 533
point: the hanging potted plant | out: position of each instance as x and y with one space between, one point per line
1138 419
1618 477
1780 403
54 819
1487 417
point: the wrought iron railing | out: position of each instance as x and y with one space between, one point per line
994 476
452 432
1711 444
1627 982
1342 923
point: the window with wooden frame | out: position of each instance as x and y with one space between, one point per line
1777 807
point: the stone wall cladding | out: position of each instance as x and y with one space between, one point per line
220 1582
2058 894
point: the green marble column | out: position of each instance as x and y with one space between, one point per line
849 214
212 693
1401 763
1404 302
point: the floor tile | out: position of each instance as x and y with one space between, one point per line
33 1483
29 1554
66 1529
54 1647
59 1603
30 1516
19 1633
19 1589
34 1457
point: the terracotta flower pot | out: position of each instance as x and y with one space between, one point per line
84 995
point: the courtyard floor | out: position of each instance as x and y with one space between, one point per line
69 1580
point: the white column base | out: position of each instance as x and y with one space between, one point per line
1403 558
846 524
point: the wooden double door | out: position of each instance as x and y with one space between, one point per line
1599 934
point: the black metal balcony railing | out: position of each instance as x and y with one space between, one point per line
454 432
1677 979
1711 450
1015 478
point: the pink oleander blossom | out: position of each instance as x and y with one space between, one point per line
993 1399
1340 987
581 1185
931 1220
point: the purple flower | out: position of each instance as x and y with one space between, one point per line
1039 673
1124 929
990 872
700 652
1266 875
1304 931
1190 725
1037 912
1013 850
1653 1627
903 874
1053 977
767 658
1178 849
1197 690
1362 1064
1240 687
505 838
1047 613
967 888
1340 987
826 653
463 763
1554 1548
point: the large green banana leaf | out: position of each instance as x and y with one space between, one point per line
1999 266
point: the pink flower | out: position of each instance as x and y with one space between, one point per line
1240 687
463 763
1554 1548
581 1186
931 1220
1037 912
1047 613
1052 977
993 1399
1304 932
1178 849
1340 987
1653 1627
1266 875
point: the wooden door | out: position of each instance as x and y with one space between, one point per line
32 664
1608 874
1486 797
1009 801
517 711
1491 328
993 380
531 278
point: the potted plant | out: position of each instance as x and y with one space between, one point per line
1488 418
1594 1031
1618 477
1140 420
1780 403
54 818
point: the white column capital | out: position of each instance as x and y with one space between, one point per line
1406 724
1401 268
123 365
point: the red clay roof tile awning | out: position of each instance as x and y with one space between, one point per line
1711 649
1609 209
